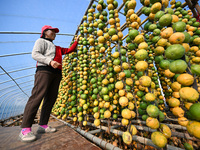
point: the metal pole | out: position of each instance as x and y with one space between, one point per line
13 121
99 130
143 128
28 42
197 8
14 81
20 32
184 4
135 138
196 5
95 131
15 54
190 5
17 70
16 42
15 85
17 78
143 122
90 4
103 144
14 90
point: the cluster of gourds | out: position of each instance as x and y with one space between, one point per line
153 74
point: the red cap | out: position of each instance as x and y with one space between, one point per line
48 27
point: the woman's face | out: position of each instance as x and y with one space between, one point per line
51 34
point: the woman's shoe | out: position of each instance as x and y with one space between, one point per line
29 137
46 130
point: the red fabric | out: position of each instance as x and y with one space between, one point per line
62 51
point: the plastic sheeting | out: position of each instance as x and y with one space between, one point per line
15 49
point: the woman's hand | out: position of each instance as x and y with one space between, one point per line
54 64
78 37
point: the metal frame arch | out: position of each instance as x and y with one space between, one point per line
15 85
21 108
12 110
17 70
7 103
8 92
13 90
14 106
13 80
7 97
16 89
18 111
7 108
11 97
17 78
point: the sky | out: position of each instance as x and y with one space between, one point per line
30 16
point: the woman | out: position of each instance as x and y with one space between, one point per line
47 80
